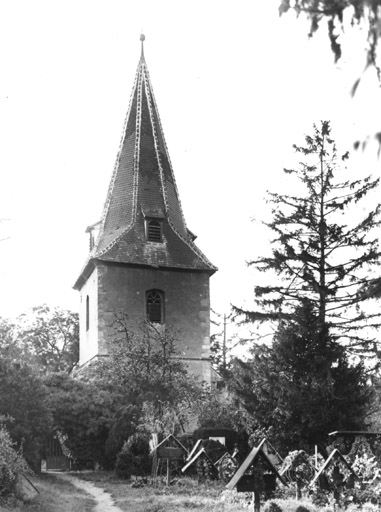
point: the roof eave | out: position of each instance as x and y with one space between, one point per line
85 273
179 268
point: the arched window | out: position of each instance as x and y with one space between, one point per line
155 306
87 312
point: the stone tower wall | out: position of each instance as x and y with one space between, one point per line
122 288
88 346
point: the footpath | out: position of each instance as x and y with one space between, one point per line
103 499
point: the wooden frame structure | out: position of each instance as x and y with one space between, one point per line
243 481
335 454
201 454
169 449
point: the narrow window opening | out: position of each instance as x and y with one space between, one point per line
87 312
154 230
155 306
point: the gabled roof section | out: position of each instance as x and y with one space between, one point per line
335 455
171 441
142 187
195 449
201 453
256 453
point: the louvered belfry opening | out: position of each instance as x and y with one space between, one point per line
155 306
154 230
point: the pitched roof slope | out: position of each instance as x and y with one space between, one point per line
143 186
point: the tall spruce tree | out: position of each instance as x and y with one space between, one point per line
303 386
320 251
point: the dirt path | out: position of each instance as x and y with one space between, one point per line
103 499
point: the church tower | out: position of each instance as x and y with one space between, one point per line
143 259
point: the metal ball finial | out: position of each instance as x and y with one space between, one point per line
142 38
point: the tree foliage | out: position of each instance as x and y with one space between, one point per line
141 382
334 11
125 423
83 411
302 387
12 462
51 336
23 400
144 365
320 251
11 347
340 16
134 459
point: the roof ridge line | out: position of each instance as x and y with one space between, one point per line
137 83
151 97
138 89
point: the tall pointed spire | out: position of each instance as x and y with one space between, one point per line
143 187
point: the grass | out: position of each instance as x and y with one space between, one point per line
55 495
183 495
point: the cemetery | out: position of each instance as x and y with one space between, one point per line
140 401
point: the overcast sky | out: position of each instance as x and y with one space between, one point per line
235 86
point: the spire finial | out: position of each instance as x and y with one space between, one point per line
142 39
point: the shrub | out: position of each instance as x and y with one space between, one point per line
234 498
302 508
289 505
12 463
133 459
23 397
123 426
272 506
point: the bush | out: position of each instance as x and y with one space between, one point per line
123 426
302 508
133 459
12 463
23 397
272 506
289 505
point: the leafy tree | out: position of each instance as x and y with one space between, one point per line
101 406
83 410
11 346
52 336
144 370
214 410
319 253
302 387
23 399
125 423
134 458
12 462
144 365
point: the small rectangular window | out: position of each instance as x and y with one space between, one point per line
154 230
87 312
